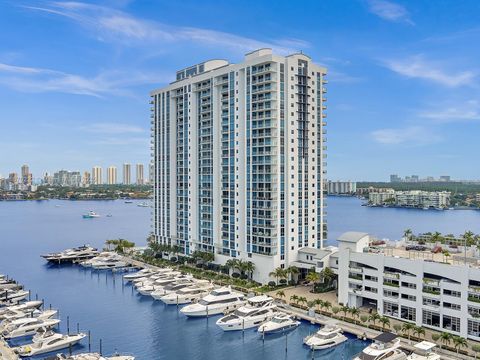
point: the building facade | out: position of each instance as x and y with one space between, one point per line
127 174
111 175
97 175
67 178
413 198
140 174
239 159
341 187
436 295
86 179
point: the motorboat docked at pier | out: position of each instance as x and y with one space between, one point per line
19 314
185 295
111 263
138 274
51 343
81 253
279 323
257 310
328 336
92 356
11 296
25 327
217 302
424 351
160 284
27 307
385 346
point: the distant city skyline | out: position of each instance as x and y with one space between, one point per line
402 76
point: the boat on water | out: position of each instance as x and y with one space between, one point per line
172 288
12 296
92 356
51 343
186 295
158 285
279 323
216 302
25 327
385 346
34 313
143 204
139 274
69 255
328 336
111 263
257 310
27 307
91 215
424 351
128 201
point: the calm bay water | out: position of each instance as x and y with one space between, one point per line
125 321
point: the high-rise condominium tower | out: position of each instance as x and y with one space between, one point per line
140 172
87 178
26 175
239 159
111 175
127 174
97 175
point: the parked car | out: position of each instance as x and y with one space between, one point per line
437 249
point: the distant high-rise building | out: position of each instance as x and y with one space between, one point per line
395 178
48 179
26 175
414 178
140 179
87 179
127 174
67 178
97 175
445 178
111 175
13 178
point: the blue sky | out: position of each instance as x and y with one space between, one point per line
403 92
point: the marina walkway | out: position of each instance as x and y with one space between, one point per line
6 353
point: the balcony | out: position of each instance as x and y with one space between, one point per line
391 275
429 281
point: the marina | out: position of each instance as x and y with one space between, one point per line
100 300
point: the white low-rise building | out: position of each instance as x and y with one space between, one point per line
427 292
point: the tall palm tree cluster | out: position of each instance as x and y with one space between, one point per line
159 249
242 267
119 245
282 275
468 237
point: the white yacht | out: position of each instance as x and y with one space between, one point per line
93 356
385 346
26 326
159 285
327 337
138 274
424 351
169 289
257 310
42 334
52 343
185 295
81 253
33 313
11 296
217 302
25 307
109 264
280 322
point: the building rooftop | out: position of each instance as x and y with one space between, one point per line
317 253
352 236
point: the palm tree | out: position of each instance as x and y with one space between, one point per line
292 271
406 328
278 273
446 254
327 275
280 294
294 298
335 310
397 328
418 330
249 268
385 321
435 337
445 338
312 277
374 317
302 300
468 236
436 237
345 309
363 319
407 234
231 264
311 304
327 305
459 342
319 303
355 313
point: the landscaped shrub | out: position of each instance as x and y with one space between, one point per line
283 281
236 275
272 283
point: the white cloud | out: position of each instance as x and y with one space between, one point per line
118 26
412 135
469 111
31 79
389 10
418 67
